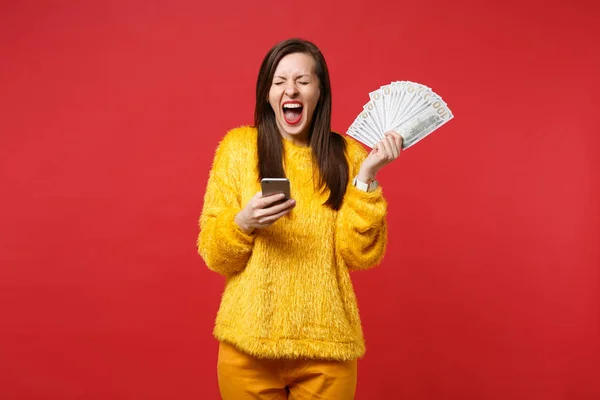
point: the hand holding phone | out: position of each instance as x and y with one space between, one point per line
266 206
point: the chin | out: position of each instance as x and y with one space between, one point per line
294 131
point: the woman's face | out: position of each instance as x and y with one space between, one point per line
294 95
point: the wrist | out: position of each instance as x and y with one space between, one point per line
365 176
243 226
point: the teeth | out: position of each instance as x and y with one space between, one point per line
292 105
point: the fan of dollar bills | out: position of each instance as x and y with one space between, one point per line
410 109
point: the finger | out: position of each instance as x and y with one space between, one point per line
393 133
268 219
398 139
268 201
387 151
274 209
393 147
254 202
375 148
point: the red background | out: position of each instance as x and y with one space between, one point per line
109 116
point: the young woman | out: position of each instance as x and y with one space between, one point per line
288 324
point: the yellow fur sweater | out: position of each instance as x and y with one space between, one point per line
288 292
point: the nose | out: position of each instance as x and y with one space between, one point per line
290 89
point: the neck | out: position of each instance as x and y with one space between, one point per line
300 140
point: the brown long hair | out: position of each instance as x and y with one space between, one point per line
328 148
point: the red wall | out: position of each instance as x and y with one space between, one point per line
110 113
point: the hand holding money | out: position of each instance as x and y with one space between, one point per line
408 108
384 152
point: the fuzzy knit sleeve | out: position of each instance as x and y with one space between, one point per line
361 228
224 247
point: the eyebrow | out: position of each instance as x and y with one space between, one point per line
298 77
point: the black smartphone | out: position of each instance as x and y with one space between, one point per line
271 186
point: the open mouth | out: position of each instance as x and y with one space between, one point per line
292 112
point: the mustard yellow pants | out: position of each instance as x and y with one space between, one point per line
242 376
